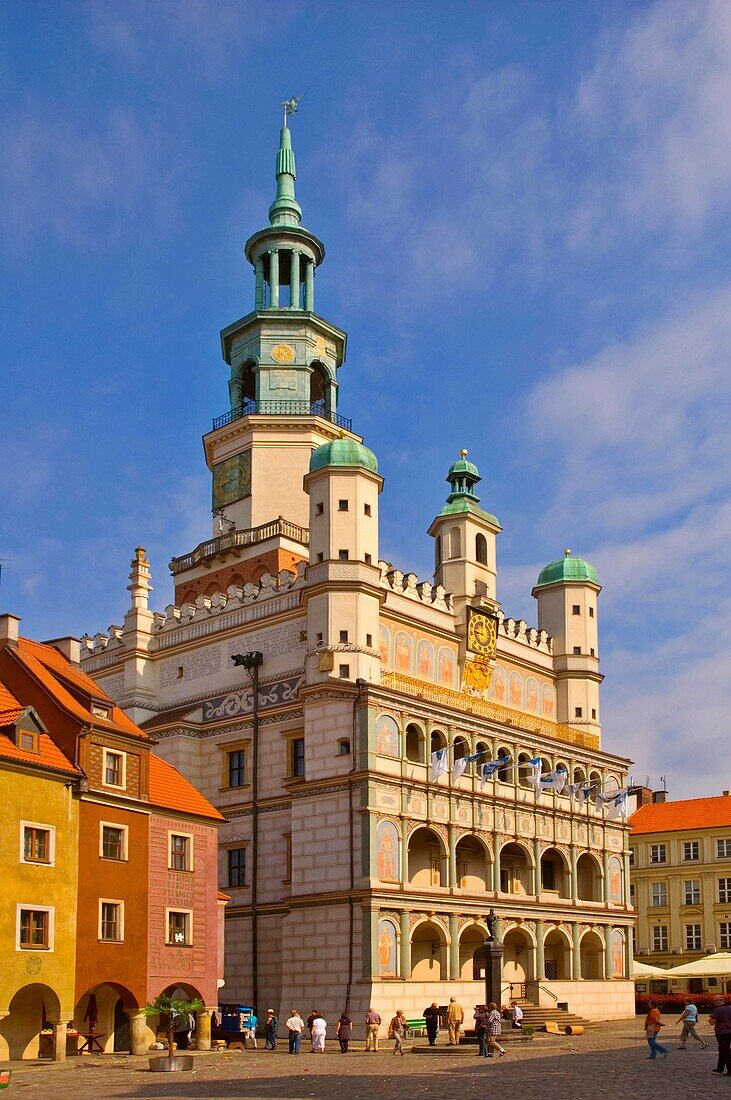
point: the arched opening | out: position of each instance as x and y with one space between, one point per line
319 392
461 747
428 952
515 870
31 1010
518 957
481 550
471 955
505 772
592 956
415 742
561 767
437 740
526 773
437 551
426 859
248 382
472 865
589 878
557 956
185 1027
595 781
484 757
104 1011
579 775
455 543
555 877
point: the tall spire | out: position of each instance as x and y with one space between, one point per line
285 210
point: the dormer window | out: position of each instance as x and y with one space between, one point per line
114 768
27 740
99 710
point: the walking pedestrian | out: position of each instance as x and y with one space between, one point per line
372 1022
721 1020
271 1026
318 1031
689 1020
494 1029
431 1019
517 1015
344 1031
455 1019
397 1031
480 1019
653 1023
295 1027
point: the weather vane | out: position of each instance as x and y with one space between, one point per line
290 107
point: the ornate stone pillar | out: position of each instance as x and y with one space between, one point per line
540 954
309 285
496 863
405 952
294 280
58 1046
375 915
606 892
259 284
452 857
453 946
138 1033
203 1028
629 962
576 953
274 278
625 880
574 873
538 878
608 963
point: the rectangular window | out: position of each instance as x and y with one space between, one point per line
287 857
34 929
576 609
237 866
343 555
593 713
366 509
343 635
577 651
114 768
36 844
179 926
236 769
113 842
181 852
658 853
692 892
632 892
724 890
659 894
344 671
298 756
368 559
369 641
723 848
28 740
578 712
631 857
692 937
660 937
342 506
724 935
691 850
320 556
110 921
319 509
591 612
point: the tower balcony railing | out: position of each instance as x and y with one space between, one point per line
282 408
232 540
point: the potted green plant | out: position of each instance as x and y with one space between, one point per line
171 1007
528 1031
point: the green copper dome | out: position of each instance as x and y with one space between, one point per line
567 568
343 452
462 467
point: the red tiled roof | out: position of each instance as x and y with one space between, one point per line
223 897
48 755
172 791
690 813
10 708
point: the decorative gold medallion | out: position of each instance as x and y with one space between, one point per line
477 675
283 353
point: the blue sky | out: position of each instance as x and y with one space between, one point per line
526 211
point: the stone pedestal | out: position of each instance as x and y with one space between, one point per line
203 1029
59 1041
138 1032
493 950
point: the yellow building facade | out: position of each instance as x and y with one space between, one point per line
38 868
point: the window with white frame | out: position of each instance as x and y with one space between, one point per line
115 767
37 842
179 929
692 891
35 927
660 937
723 848
724 935
112 841
691 850
111 921
658 894
658 853
180 852
692 937
724 890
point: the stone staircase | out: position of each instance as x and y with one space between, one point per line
538 1016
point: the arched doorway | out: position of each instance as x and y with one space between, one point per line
471 953
428 953
472 865
32 1007
319 390
103 1010
426 859
415 743
557 956
589 878
185 1035
592 956
516 873
518 958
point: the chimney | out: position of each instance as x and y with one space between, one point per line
726 794
659 796
9 629
644 795
69 647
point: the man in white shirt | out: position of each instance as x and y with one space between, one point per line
517 1014
295 1027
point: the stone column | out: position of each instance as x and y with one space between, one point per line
405 954
259 284
58 1047
453 947
540 954
607 885
138 1032
496 863
294 280
538 878
203 1028
493 971
576 953
309 286
452 857
274 279
629 962
625 880
574 873
608 963
375 915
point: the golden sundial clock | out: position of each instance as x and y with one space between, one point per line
482 633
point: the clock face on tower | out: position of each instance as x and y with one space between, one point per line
231 479
481 633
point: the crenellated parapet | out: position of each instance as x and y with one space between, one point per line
409 585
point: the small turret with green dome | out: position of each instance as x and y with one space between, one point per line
463 477
567 568
343 451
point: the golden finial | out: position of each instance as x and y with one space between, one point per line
463 453
566 553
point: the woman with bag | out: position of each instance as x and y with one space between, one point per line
397 1031
653 1023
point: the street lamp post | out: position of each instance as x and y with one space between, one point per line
252 662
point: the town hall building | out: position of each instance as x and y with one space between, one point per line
369 828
